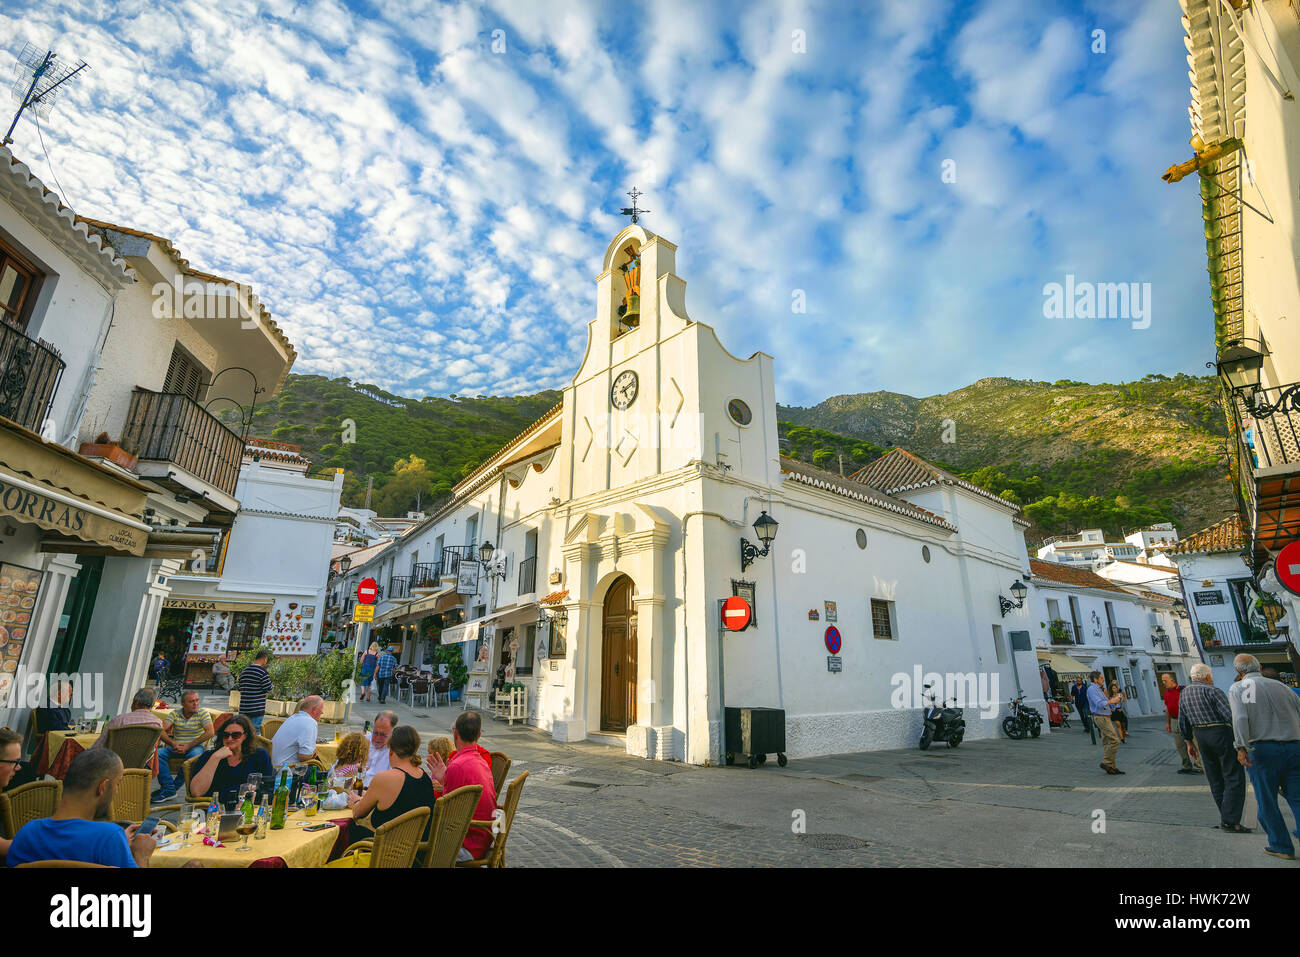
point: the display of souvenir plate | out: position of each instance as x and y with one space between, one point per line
23 617
293 605
17 634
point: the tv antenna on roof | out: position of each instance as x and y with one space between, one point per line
38 80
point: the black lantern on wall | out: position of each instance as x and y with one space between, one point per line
765 527
1239 365
1018 591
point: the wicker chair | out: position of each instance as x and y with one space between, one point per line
134 744
500 768
395 844
262 742
420 689
451 816
270 726
131 802
500 828
62 864
28 803
441 689
188 768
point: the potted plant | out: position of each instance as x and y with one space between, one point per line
1207 635
104 448
1059 632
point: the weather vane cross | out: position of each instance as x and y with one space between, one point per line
632 210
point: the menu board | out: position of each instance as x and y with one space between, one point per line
18 589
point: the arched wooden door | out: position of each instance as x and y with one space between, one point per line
618 658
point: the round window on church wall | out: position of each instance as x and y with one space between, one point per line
862 538
739 412
925 553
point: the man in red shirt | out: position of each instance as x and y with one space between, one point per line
1173 691
466 766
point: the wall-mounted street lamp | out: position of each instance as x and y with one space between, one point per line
1239 364
485 553
344 564
765 528
1018 591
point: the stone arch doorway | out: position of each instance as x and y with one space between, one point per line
618 657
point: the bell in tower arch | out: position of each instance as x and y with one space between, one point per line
629 311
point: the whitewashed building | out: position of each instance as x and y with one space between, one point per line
616 524
1087 549
1086 623
263 582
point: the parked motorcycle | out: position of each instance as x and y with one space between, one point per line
942 723
1023 721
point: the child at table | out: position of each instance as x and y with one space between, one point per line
442 747
353 752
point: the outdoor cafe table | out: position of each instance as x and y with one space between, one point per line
329 753
52 759
294 845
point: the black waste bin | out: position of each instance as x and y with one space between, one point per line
754 733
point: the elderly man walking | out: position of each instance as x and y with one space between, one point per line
1172 692
1266 732
1100 707
1205 720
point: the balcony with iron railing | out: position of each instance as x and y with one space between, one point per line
163 427
1121 637
399 587
1233 634
528 575
425 577
29 376
453 555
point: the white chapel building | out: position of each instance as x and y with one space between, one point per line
616 523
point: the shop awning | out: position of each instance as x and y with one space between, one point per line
428 605
458 634
68 495
217 604
1063 664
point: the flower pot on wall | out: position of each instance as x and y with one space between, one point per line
275 708
111 451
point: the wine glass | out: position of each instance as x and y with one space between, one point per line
247 825
307 798
185 824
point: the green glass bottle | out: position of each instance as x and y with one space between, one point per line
280 806
246 810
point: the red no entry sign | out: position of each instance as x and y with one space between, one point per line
367 591
1288 567
736 613
833 640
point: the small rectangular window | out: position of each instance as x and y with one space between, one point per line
999 645
882 619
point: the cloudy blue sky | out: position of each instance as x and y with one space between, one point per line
421 191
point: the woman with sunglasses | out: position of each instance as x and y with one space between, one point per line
228 766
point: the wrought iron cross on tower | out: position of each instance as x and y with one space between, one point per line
632 210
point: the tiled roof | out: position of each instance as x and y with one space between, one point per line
850 488
1065 575
898 470
1224 536
183 265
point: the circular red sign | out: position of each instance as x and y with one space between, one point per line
736 613
833 640
367 591
1287 567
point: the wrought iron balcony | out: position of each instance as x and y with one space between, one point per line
168 427
528 576
453 555
1265 448
1160 642
424 576
399 587
1233 634
29 376
1121 636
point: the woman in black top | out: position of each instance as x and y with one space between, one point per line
223 770
405 787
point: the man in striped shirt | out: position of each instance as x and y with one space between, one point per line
384 669
1205 718
184 732
254 685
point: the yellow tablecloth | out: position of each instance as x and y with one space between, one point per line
329 752
299 848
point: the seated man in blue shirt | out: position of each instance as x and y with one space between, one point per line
72 833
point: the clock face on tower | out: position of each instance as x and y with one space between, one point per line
623 392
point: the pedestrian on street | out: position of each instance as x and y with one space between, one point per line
1266 732
1172 690
1099 706
1117 713
1205 719
385 666
1079 692
368 663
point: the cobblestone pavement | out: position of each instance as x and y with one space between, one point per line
993 803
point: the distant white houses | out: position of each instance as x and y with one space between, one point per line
1086 623
1087 549
364 526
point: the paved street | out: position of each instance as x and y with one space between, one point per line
991 803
